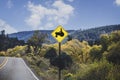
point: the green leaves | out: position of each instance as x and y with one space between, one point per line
95 52
62 61
37 40
51 53
114 53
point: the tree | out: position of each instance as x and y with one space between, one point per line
7 42
113 54
69 37
3 33
95 53
113 49
115 36
108 39
28 49
79 51
37 40
51 53
105 41
63 61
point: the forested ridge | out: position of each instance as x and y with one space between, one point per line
93 35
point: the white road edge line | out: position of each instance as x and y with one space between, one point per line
30 70
4 62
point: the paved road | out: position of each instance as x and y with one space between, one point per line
1 60
15 69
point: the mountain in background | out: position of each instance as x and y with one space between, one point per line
90 35
25 35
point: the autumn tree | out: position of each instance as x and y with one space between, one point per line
79 51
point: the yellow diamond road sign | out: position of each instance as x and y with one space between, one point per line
59 33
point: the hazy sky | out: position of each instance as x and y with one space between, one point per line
25 15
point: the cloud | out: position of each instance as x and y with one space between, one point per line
41 17
70 0
4 26
9 4
117 2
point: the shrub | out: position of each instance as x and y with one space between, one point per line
98 72
17 50
95 52
68 76
114 53
114 73
2 53
63 61
51 53
18 55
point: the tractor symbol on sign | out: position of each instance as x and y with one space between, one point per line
60 33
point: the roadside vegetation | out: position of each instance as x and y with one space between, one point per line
79 60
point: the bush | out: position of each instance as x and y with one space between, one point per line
114 53
15 51
114 73
2 53
68 76
18 55
42 65
63 61
51 53
98 72
95 52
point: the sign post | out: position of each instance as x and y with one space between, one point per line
59 72
59 34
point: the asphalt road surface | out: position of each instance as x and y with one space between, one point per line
15 69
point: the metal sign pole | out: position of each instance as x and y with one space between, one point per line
59 71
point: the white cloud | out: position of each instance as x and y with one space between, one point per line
9 4
70 0
57 13
8 29
117 2
48 25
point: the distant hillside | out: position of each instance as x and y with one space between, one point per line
25 35
90 35
93 34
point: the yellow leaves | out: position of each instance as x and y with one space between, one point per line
16 51
2 53
19 48
79 51
68 76
97 47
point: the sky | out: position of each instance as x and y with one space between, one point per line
27 15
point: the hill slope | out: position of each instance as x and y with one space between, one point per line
92 34
25 35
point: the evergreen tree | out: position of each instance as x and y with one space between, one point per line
6 42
